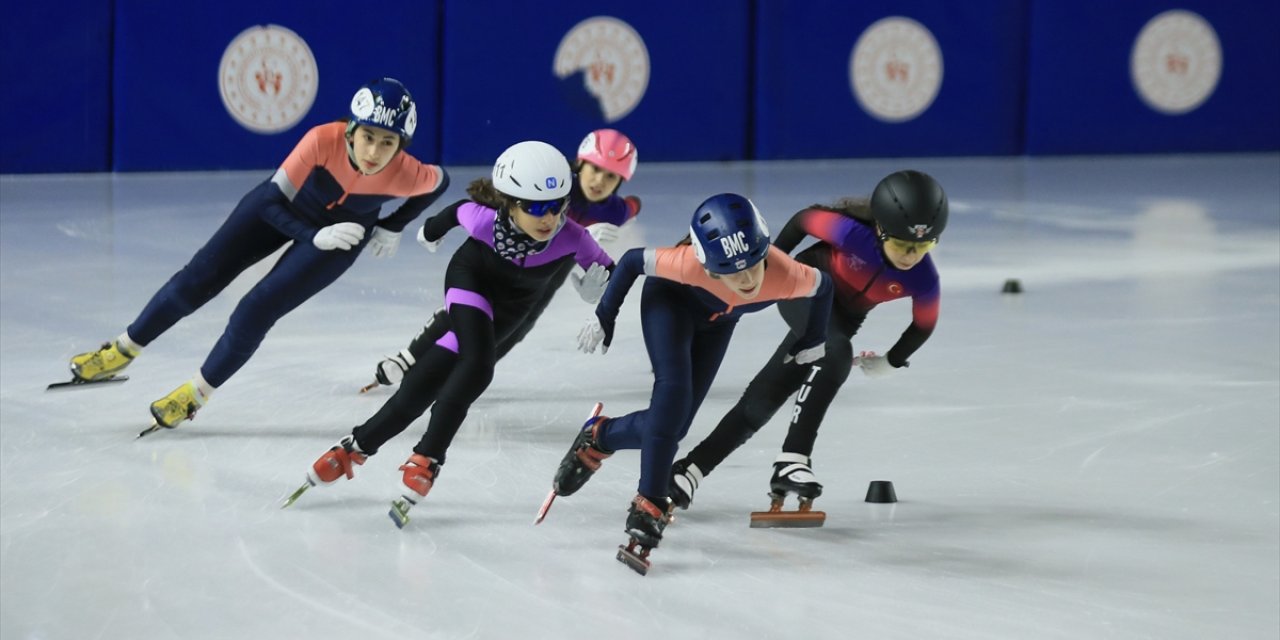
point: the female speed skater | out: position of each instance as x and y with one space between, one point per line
606 159
518 239
689 308
325 199
876 250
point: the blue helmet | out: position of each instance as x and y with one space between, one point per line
385 104
728 234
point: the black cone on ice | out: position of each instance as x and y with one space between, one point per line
881 492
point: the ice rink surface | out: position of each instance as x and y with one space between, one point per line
1098 457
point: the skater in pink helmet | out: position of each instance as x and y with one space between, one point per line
606 159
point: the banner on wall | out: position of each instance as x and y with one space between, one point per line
895 69
649 71
1176 62
268 79
607 60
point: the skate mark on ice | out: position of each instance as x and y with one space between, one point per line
343 601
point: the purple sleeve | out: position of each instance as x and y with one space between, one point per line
478 221
589 252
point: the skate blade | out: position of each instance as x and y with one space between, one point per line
637 562
546 506
370 387
787 519
83 383
293 497
399 513
155 426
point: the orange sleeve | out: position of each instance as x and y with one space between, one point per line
790 280
306 156
681 265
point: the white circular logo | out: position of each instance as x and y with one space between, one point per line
362 103
613 60
895 69
268 78
1176 62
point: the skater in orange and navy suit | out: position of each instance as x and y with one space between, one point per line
326 199
876 250
689 308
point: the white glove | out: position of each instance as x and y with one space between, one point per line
391 370
384 243
872 365
422 240
806 356
590 337
603 232
592 283
342 235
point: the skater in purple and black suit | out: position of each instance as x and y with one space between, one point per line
876 250
325 199
689 308
606 159
518 239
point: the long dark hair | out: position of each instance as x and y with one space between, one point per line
856 207
482 191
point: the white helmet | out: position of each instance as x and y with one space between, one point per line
532 171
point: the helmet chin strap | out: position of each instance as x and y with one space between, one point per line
351 147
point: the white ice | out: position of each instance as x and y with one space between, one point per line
1098 457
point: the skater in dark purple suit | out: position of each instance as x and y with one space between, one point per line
518 239
606 159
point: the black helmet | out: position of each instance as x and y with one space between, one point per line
910 205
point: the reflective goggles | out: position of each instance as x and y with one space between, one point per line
908 246
539 208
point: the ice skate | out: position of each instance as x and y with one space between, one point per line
390 371
103 365
583 459
172 410
420 473
645 523
792 474
336 463
685 478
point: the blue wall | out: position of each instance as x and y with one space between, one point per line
806 106
55 70
112 87
1081 96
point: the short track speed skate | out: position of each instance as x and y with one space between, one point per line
97 367
775 517
645 523
172 410
578 465
792 474
333 465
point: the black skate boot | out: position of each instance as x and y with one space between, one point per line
793 473
583 459
685 478
646 520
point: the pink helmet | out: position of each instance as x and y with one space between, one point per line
610 150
